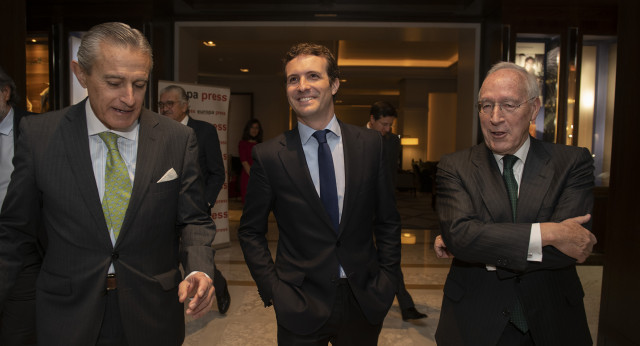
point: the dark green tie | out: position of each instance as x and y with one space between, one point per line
517 315
117 185
510 181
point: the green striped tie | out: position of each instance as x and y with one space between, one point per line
117 185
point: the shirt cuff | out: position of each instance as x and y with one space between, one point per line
193 272
535 244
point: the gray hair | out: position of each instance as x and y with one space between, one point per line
180 90
118 34
6 80
531 84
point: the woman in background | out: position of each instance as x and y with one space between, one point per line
251 136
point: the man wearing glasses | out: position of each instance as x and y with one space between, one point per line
174 103
513 212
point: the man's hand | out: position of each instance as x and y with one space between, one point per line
569 237
200 288
441 248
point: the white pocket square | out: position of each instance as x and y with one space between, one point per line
170 175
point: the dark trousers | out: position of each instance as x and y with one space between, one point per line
347 325
219 282
512 336
404 298
111 331
18 317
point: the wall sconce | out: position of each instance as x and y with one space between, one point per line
408 238
409 141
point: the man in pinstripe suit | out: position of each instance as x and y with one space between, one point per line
513 280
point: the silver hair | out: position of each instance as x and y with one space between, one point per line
531 84
180 90
118 34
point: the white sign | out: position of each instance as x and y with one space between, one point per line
211 104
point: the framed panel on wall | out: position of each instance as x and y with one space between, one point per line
540 56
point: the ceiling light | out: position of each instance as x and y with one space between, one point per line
33 40
209 43
244 70
343 81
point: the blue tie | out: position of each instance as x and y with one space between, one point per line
328 189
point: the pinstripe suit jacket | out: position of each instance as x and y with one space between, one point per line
53 181
476 223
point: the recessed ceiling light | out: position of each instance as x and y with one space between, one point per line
244 70
33 40
343 81
209 43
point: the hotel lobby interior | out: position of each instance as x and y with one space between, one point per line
427 57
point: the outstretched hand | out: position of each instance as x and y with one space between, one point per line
199 288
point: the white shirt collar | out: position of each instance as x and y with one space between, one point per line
520 153
95 126
306 132
6 125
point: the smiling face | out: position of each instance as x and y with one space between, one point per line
504 133
116 84
309 90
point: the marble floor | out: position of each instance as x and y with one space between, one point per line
248 323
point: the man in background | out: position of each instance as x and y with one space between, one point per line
18 317
381 118
119 194
513 212
338 257
174 103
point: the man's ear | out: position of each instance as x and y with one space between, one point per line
79 72
335 86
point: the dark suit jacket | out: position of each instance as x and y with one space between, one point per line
302 282
209 157
392 150
476 223
53 179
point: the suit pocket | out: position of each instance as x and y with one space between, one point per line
171 185
169 280
453 290
54 284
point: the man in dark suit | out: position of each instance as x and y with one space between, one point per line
513 212
337 262
174 103
119 194
18 316
381 117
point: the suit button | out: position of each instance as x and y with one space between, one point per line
338 244
114 256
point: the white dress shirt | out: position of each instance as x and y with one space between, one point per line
6 153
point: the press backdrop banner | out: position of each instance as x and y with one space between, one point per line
211 104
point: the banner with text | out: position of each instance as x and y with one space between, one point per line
211 104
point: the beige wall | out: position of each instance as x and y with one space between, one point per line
442 125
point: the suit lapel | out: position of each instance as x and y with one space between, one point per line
536 179
76 142
147 154
492 189
295 164
353 153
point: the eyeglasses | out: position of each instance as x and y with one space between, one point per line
486 107
168 104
